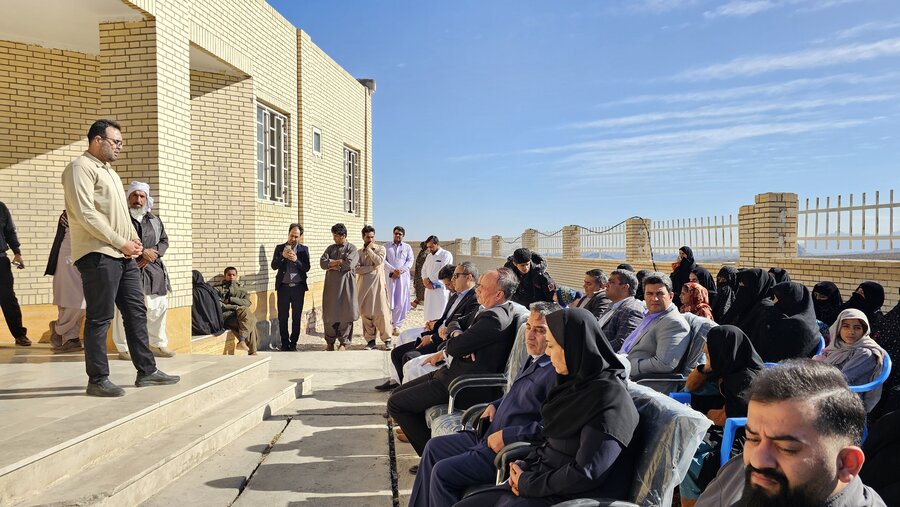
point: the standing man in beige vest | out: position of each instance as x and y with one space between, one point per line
104 247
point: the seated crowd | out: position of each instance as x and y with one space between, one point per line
716 338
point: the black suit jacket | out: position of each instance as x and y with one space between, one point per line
280 263
462 314
490 337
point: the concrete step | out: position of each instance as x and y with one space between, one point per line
134 473
217 344
66 435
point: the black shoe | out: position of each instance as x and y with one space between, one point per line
157 378
104 389
370 345
387 386
23 341
285 347
414 469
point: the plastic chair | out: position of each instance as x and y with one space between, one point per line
821 345
733 423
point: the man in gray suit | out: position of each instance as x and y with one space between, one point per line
626 312
661 339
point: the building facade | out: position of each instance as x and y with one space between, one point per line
238 121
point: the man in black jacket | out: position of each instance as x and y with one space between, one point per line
11 311
534 282
482 348
291 259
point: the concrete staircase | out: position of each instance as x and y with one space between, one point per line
76 450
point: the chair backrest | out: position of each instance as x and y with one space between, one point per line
667 436
518 353
821 346
700 327
886 366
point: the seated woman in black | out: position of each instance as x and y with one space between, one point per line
588 418
731 364
792 330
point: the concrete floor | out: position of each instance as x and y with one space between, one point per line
327 449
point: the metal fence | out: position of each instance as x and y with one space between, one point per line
549 244
603 242
509 244
850 225
483 247
710 238
465 247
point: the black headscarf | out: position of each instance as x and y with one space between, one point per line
779 275
870 304
681 272
625 266
753 287
640 288
705 279
828 309
726 287
792 331
734 360
593 393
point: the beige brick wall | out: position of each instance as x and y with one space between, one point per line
48 98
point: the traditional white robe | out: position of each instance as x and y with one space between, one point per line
436 299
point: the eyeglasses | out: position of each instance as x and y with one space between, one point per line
457 275
118 142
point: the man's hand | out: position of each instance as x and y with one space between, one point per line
132 248
470 357
395 274
142 262
429 325
17 260
150 255
425 341
334 264
428 284
434 359
495 440
489 413
443 332
515 471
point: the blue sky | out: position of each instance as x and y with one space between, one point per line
494 116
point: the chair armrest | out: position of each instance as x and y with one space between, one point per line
470 417
595 502
510 453
466 381
731 426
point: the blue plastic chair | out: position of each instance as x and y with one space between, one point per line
821 345
733 423
681 397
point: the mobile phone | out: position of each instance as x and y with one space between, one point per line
437 285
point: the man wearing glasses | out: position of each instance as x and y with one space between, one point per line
104 247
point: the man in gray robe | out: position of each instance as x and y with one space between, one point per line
339 304
68 294
374 306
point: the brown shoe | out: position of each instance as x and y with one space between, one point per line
329 347
396 331
73 345
56 340
23 341
162 351
398 433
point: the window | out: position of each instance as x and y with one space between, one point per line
351 181
272 158
317 142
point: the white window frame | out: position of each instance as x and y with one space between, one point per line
316 135
351 180
272 155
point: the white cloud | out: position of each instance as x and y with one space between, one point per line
826 4
806 59
873 26
740 8
661 6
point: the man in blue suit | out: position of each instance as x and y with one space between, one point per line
451 463
291 259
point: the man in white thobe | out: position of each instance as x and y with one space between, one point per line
397 263
436 294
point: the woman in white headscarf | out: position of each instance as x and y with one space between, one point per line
855 353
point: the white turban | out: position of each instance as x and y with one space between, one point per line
143 187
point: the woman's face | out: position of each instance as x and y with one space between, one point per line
557 354
681 254
685 294
693 277
852 330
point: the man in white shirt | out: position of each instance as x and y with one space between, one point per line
436 294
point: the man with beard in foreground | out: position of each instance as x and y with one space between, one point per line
804 429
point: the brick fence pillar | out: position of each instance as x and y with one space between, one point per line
473 246
637 240
496 246
529 239
571 242
768 229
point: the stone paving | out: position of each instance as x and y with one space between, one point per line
327 449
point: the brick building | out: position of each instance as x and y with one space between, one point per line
238 121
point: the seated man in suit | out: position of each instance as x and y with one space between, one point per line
482 348
461 280
626 312
595 299
660 340
451 463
